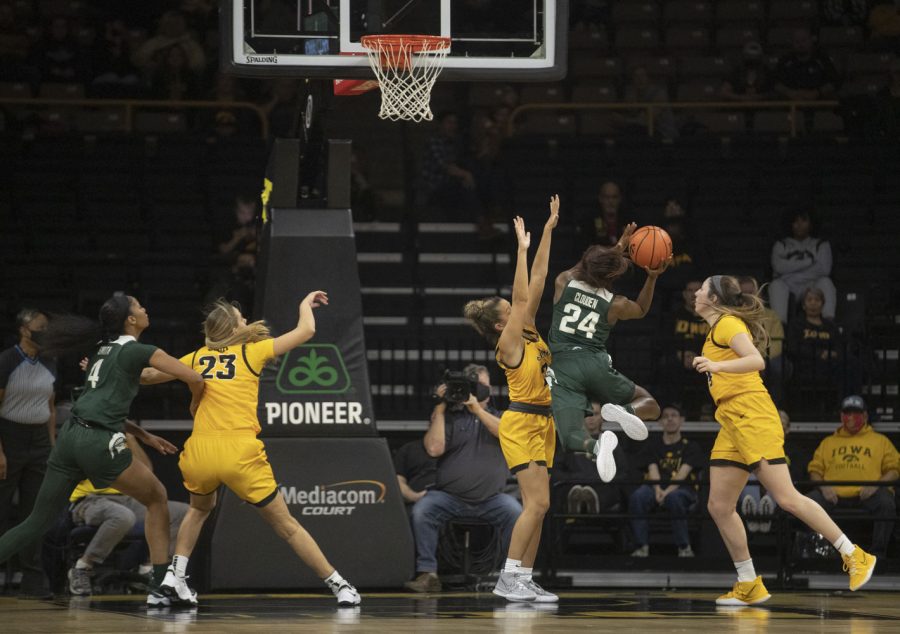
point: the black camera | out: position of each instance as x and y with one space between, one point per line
461 385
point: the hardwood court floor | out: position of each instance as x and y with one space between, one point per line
620 612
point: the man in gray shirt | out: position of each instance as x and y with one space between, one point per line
471 475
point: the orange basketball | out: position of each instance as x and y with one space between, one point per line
649 246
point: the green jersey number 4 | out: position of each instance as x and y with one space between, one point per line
94 375
585 327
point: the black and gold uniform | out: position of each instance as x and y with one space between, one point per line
751 428
527 433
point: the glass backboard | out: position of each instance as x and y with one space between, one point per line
515 40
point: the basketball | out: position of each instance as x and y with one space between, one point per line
650 246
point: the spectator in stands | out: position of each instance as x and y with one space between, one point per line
845 12
814 344
114 75
685 331
753 501
604 228
750 80
172 30
225 121
471 475
771 322
587 493
807 73
884 24
674 461
415 471
799 262
641 89
58 57
857 452
27 433
114 515
243 236
688 255
173 79
449 187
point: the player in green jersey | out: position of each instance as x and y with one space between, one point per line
92 443
584 313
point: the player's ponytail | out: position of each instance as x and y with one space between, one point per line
222 327
76 335
746 306
482 314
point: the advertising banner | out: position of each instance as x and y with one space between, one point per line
344 492
322 387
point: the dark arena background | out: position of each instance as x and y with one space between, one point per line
186 150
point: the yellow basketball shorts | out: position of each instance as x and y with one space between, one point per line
751 430
239 462
525 438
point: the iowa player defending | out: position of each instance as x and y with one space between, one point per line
751 438
584 313
92 444
223 447
527 435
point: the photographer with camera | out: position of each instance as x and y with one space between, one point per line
471 471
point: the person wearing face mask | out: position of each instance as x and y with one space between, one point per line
27 433
857 452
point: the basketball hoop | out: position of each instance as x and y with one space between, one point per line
406 67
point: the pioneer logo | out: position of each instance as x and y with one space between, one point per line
262 59
338 498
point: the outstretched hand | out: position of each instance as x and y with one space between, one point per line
660 268
554 212
316 299
523 236
625 238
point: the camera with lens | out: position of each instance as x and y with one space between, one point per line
461 385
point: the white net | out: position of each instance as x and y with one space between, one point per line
406 68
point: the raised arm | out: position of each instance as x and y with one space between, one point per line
510 345
623 308
541 262
306 324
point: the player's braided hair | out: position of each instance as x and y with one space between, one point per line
482 315
599 266
729 300
222 327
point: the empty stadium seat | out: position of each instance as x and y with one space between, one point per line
587 92
797 11
636 38
634 11
747 11
687 37
697 12
696 67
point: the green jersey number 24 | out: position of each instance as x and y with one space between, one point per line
586 326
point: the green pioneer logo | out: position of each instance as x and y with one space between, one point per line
313 369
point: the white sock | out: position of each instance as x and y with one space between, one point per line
512 565
179 564
525 572
81 564
745 571
844 546
334 579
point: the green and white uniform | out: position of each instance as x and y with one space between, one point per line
582 369
92 444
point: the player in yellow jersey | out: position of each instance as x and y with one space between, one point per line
223 447
527 433
751 439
